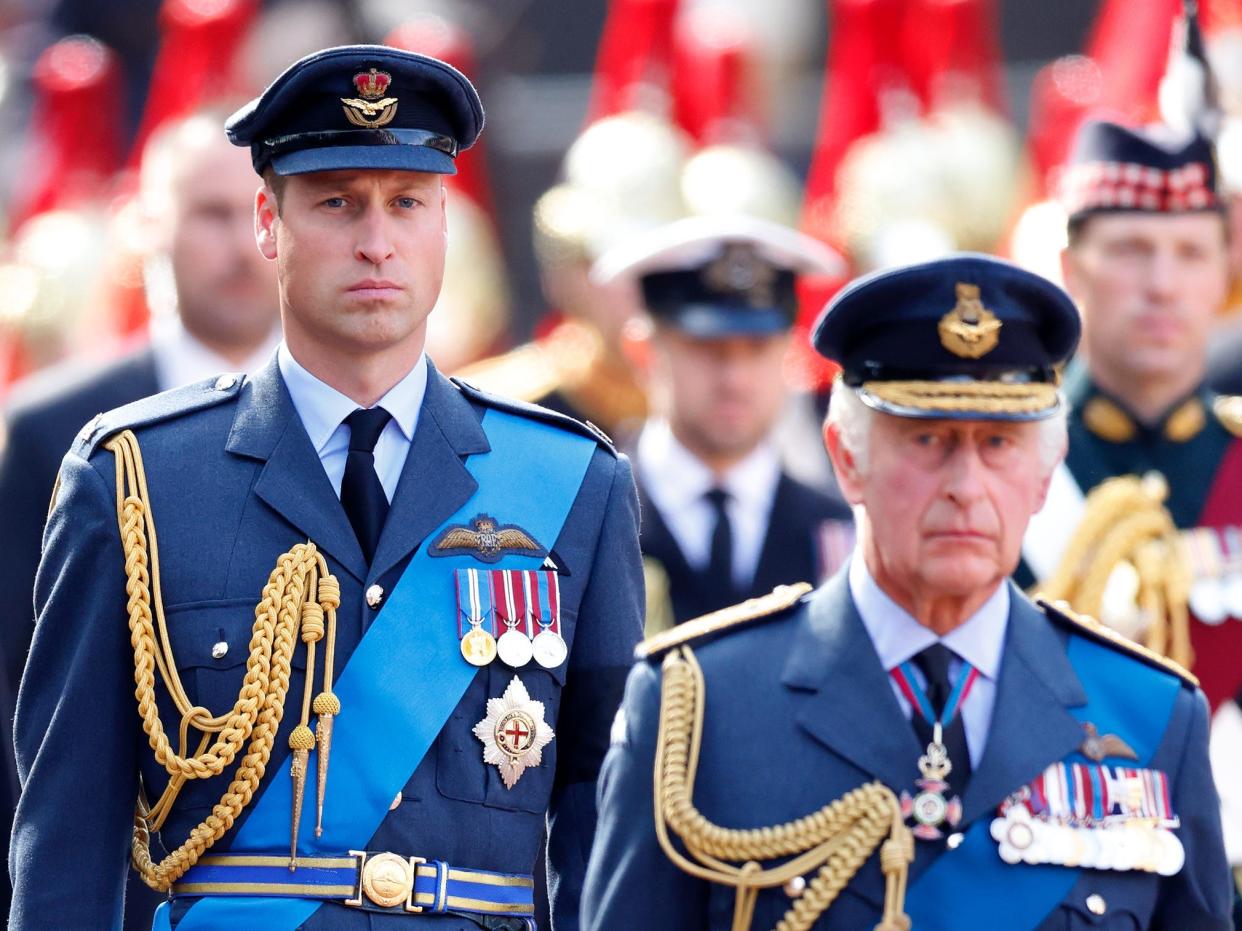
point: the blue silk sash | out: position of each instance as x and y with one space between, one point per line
406 675
970 887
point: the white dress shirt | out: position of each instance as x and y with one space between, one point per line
676 483
180 359
897 636
323 410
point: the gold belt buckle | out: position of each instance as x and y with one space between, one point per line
386 879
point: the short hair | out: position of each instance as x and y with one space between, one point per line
276 184
853 419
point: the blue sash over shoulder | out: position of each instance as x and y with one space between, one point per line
397 682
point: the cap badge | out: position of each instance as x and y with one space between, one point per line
969 330
373 110
740 270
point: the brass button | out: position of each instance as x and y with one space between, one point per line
955 840
219 650
1096 904
375 594
396 802
225 382
795 887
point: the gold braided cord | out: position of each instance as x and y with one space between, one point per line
835 841
1125 521
299 580
993 397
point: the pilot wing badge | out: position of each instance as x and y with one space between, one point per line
487 540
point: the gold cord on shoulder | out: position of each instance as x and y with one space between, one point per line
1125 521
834 841
300 593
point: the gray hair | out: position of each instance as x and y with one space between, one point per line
853 419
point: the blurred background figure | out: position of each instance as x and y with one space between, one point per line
721 520
213 307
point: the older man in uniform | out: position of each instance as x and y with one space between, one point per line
1148 265
369 661
722 518
915 740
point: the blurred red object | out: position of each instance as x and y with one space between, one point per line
74 147
197 61
635 58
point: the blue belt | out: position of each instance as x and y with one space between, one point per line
372 881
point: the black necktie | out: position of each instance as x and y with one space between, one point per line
934 664
720 563
362 495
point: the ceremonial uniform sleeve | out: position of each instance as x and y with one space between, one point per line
631 883
609 624
1199 895
75 731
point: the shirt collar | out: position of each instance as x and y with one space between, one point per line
677 478
898 636
322 408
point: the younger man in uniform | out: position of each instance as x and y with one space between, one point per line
347 540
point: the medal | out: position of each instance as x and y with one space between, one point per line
514 733
478 646
544 603
931 806
1233 575
1206 597
513 647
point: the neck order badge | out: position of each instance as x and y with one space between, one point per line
398 683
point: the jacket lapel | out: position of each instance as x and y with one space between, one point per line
434 481
1031 722
846 702
293 482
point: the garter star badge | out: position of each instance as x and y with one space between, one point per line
514 732
373 110
969 330
487 540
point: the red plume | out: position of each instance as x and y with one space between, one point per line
716 94
436 36
196 61
76 124
635 52
951 52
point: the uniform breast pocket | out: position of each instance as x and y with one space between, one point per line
211 644
461 772
1117 902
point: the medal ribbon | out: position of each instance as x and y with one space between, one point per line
1122 698
472 608
404 677
903 675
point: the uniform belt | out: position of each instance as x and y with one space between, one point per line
363 879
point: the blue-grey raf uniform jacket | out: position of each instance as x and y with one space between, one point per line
800 711
234 482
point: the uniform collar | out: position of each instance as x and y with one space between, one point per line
1108 418
322 408
898 636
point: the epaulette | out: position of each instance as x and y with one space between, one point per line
524 373
534 411
1228 410
166 405
1102 633
779 600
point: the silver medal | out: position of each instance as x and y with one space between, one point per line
550 649
1207 600
514 648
